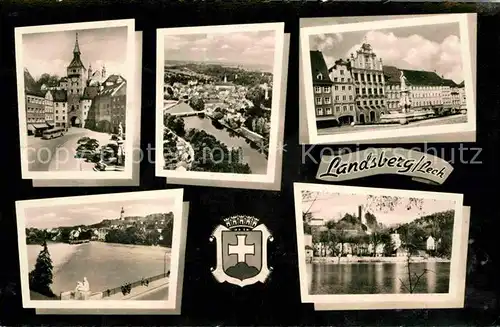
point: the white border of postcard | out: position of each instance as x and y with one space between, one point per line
387 301
128 75
276 100
177 194
368 136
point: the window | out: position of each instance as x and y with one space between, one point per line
317 89
350 98
335 79
318 101
352 107
349 87
319 76
57 117
336 98
328 100
343 87
342 79
319 111
342 72
328 111
344 97
344 108
326 89
336 87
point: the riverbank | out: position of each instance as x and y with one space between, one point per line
105 265
252 137
354 260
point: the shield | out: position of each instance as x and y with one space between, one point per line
241 255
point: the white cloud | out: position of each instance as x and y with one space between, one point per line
417 53
324 42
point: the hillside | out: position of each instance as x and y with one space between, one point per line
30 84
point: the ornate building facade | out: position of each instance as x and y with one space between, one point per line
369 83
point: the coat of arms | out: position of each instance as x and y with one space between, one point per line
241 251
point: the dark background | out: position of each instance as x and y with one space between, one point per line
206 302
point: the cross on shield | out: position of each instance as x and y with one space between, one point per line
241 255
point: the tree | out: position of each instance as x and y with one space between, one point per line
389 203
48 80
40 278
176 124
197 103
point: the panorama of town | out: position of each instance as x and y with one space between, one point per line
76 122
217 118
363 93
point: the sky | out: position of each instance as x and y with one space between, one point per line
92 213
52 52
336 205
244 48
429 47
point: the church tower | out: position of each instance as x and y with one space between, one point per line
121 213
76 76
76 71
103 73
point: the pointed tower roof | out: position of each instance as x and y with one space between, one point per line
77 46
76 62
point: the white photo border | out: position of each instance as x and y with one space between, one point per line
177 194
279 29
367 136
129 76
456 284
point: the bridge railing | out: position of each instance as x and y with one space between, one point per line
141 282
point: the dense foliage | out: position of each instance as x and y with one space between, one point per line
40 278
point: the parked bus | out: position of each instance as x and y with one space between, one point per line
53 133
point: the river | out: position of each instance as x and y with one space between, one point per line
105 265
256 160
376 278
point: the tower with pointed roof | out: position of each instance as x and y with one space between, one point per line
76 71
76 83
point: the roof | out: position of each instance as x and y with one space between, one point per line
59 96
113 78
90 92
414 77
450 83
76 62
318 66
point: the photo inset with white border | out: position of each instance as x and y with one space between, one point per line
387 78
75 97
383 246
116 250
218 98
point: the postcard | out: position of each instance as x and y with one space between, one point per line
144 311
373 82
219 90
371 248
73 81
111 251
270 186
136 153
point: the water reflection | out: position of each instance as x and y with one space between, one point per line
256 160
377 278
